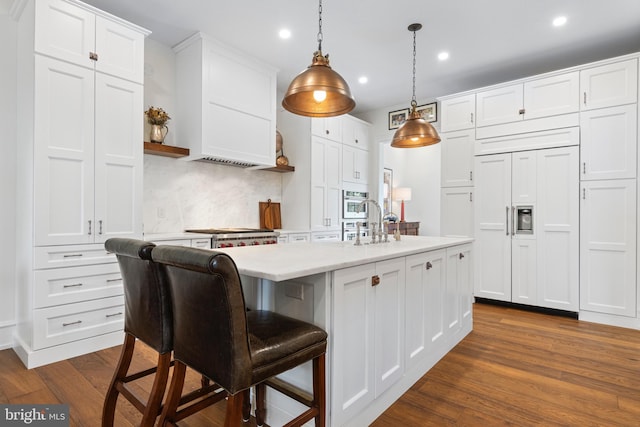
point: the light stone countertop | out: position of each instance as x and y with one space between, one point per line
289 261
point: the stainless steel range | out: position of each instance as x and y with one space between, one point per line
232 237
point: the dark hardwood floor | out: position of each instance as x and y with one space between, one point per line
516 368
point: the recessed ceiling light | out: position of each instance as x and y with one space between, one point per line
559 21
284 33
363 80
443 56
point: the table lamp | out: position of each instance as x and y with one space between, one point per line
402 193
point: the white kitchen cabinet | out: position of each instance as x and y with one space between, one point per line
535 265
458 113
355 165
458 301
425 297
80 160
533 99
369 333
456 205
608 247
226 103
609 85
326 236
457 158
608 143
327 127
78 33
326 184
287 237
87 157
355 132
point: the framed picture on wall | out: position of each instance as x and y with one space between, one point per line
429 112
387 189
397 118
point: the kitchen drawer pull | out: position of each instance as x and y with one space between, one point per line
114 315
72 255
89 227
375 280
471 118
75 285
100 229
77 322
119 279
506 220
584 167
429 265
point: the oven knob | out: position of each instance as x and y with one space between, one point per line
223 245
242 244
256 243
230 245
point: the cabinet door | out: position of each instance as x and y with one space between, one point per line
333 167
493 236
458 294
608 247
457 212
458 113
63 153
424 307
327 127
557 229
608 143
464 272
552 96
355 165
523 178
499 106
609 85
326 184
65 31
120 50
457 158
355 132
353 377
389 323
118 158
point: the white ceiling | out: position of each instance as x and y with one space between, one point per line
489 41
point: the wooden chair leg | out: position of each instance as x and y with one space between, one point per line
109 408
152 409
246 406
319 386
174 395
233 416
261 410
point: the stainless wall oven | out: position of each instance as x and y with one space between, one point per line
350 202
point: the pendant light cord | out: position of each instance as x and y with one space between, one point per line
413 99
320 26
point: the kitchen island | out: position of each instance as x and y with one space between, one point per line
392 310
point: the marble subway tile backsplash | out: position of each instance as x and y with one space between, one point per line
180 194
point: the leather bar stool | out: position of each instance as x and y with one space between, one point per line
216 336
148 318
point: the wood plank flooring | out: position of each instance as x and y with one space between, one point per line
517 368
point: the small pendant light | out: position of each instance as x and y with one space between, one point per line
415 131
319 91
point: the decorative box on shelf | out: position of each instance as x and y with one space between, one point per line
165 150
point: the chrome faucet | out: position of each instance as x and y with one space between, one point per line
379 224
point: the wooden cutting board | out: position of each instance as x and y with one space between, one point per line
270 215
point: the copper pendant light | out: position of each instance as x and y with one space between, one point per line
319 91
415 131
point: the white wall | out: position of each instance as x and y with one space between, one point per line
8 40
181 194
417 168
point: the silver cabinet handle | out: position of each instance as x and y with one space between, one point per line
119 279
100 227
113 315
89 227
513 220
471 197
584 97
75 285
470 175
584 194
506 220
471 118
429 265
584 167
77 322
72 255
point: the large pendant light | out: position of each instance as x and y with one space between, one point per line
415 131
319 91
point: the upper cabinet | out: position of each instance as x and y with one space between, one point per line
75 33
327 127
534 99
457 158
226 103
458 113
355 132
355 150
609 85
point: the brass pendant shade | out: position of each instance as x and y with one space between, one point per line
415 132
319 91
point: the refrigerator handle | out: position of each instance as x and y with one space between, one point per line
506 220
513 220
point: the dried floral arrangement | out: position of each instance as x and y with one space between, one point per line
156 116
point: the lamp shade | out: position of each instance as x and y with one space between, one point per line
402 193
319 91
415 132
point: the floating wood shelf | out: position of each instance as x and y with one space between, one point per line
165 150
281 168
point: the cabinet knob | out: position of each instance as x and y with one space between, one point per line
429 265
375 280
327 131
93 56
461 255
521 111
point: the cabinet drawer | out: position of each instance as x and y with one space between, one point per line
71 256
71 322
76 284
